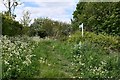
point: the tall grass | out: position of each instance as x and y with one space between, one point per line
92 61
48 58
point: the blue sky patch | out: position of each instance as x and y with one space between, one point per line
30 4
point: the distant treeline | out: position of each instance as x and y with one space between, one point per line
40 27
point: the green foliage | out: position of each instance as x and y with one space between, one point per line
52 28
98 17
10 27
90 61
18 60
26 31
48 58
108 42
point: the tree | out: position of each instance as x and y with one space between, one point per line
10 6
25 20
100 17
50 27
10 27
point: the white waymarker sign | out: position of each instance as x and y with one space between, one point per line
81 26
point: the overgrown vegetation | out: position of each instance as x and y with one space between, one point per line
99 17
53 49
107 42
17 57
92 61
50 28
10 27
53 59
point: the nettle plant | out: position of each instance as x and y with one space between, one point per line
91 61
16 56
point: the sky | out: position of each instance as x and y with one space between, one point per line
60 10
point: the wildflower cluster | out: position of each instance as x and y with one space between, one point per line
16 55
44 61
77 48
87 67
92 63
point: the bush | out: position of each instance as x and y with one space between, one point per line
11 27
91 61
42 33
50 27
108 42
18 57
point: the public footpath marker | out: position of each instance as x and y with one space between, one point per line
81 26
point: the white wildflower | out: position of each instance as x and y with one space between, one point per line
17 53
25 63
6 62
49 64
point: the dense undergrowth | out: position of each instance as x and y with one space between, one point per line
106 41
92 61
91 56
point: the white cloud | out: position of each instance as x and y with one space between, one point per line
55 9
48 0
2 7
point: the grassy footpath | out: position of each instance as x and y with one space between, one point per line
55 59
